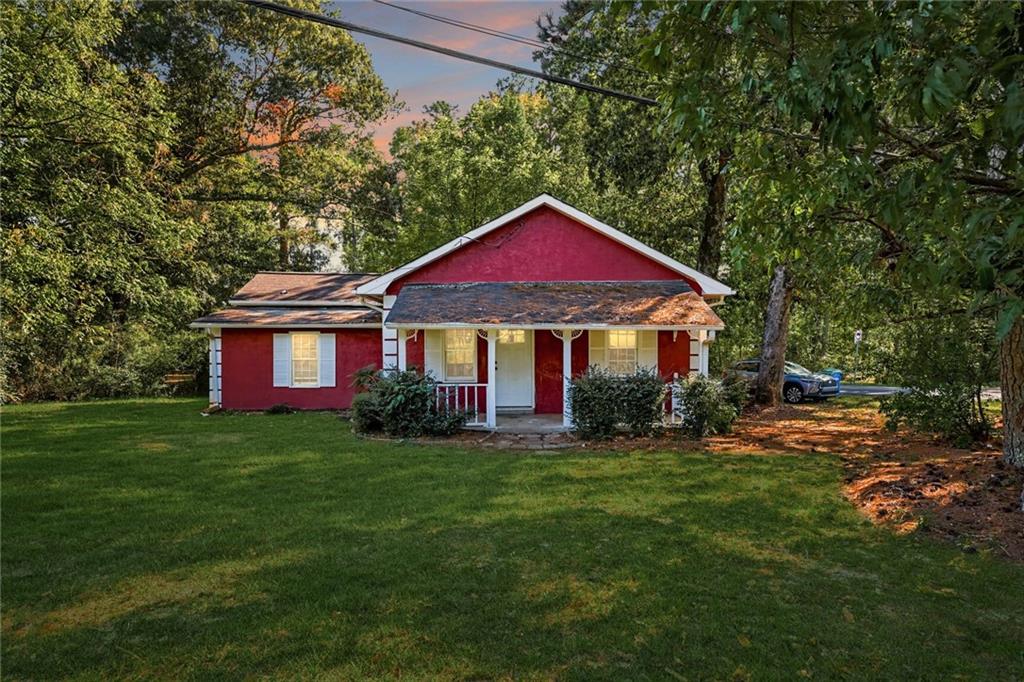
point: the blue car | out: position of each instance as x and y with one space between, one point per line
798 383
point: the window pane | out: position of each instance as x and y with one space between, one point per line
621 353
305 359
622 338
511 336
459 354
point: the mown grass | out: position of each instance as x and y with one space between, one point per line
143 540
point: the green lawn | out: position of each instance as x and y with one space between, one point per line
141 539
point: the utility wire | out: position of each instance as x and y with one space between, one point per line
466 56
538 44
532 42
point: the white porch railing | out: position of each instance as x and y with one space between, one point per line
470 398
673 406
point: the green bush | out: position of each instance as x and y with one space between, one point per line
402 405
367 415
641 401
280 408
945 363
952 411
601 401
594 399
708 406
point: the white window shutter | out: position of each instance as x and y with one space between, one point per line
326 353
598 342
647 349
433 353
282 360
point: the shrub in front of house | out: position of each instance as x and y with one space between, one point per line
367 415
641 401
602 401
402 404
594 399
708 406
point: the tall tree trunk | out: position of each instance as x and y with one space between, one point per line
283 243
716 184
1011 379
768 389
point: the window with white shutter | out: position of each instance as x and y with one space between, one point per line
305 359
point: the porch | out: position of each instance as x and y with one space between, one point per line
506 352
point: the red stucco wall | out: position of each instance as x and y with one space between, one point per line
543 245
673 356
248 369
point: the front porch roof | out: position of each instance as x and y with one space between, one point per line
669 304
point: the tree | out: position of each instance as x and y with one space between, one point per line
269 109
141 162
670 195
458 172
923 103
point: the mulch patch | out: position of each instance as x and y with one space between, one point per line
907 481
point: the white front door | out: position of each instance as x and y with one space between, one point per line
514 376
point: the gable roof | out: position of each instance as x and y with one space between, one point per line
709 286
301 289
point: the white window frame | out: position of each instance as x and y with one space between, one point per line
608 350
469 379
316 358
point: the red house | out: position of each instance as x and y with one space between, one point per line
502 317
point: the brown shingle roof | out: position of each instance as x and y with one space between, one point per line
670 303
302 287
255 316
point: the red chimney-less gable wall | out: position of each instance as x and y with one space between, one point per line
543 245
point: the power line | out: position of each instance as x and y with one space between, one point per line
537 44
532 42
466 56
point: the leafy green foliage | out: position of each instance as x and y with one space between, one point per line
601 401
594 399
150 162
709 406
945 363
403 405
641 401
367 413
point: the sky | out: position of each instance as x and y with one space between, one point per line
421 77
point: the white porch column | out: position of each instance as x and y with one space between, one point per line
492 373
705 347
215 372
389 338
566 376
403 337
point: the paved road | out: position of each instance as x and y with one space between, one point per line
876 390
868 389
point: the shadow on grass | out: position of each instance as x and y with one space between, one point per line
284 546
